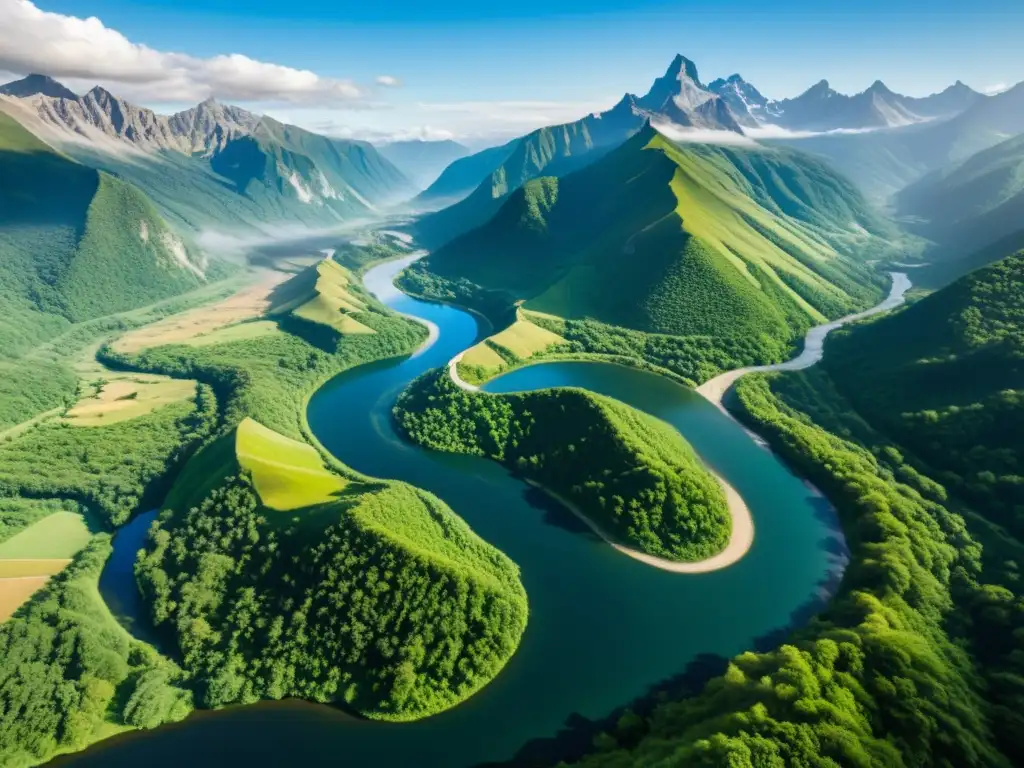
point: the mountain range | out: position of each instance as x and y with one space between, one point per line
214 163
680 239
473 187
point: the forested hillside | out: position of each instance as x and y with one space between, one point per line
367 574
75 244
945 378
634 476
748 247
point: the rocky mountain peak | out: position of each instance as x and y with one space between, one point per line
37 85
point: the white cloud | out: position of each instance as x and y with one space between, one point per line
767 131
388 81
33 40
995 88
687 135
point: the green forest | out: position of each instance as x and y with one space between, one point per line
403 611
632 475
945 379
918 660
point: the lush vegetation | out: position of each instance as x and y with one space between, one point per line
945 379
110 469
277 577
746 247
381 600
69 673
917 661
632 475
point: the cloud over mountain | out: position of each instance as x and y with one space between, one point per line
33 40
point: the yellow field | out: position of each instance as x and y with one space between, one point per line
128 397
14 592
58 536
333 305
250 302
482 355
17 569
239 332
523 339
287 474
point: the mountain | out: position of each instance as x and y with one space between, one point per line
688 240
37 85
462 177
422 161
750 106
945 378
214 164
678 97
973 203
885 161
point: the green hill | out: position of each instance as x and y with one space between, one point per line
463 176
945 378
632 475
685 240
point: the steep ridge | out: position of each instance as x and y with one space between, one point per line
676 239
214 163
678 97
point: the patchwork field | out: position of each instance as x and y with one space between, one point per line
127 398
29 558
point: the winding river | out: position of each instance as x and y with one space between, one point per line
604 629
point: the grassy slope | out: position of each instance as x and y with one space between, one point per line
687 241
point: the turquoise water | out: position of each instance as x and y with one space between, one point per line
604 629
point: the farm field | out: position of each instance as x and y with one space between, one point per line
124 398
29 558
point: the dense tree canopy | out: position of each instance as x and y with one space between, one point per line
631 474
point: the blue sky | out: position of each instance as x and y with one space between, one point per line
487 70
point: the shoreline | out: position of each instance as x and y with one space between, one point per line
741 538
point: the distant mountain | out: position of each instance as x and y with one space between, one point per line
821 108
422 161
679 239
973 202
37 85
750 107
462 177
885 161
213 164
678 97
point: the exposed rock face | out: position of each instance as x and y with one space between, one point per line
203 130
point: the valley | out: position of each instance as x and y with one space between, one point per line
685 432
